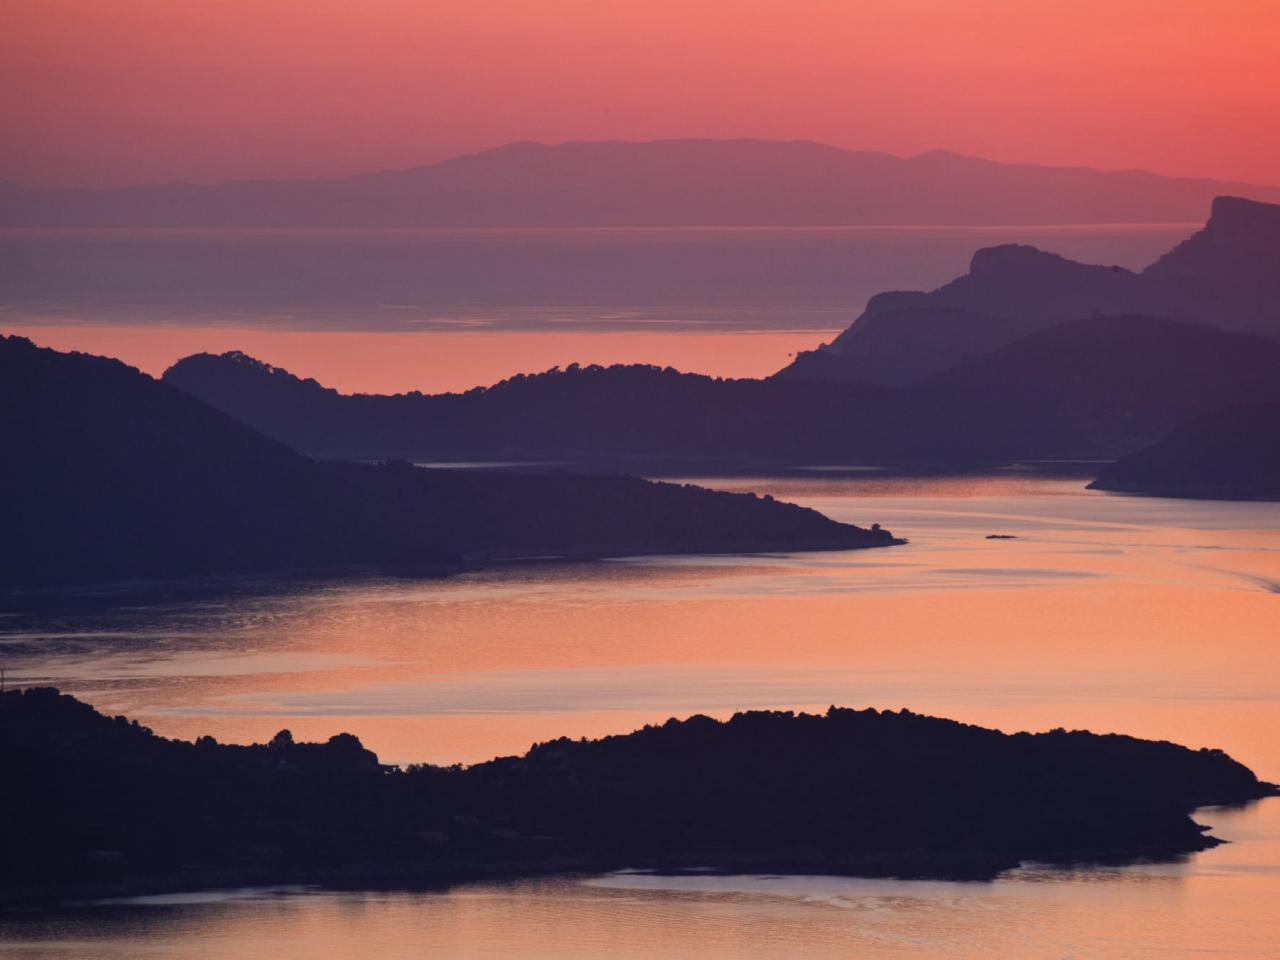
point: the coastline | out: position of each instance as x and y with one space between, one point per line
428 877
864 793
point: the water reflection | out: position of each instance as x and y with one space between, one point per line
1153 617
1220 903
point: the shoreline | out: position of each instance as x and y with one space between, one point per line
427 878
331 574
849 792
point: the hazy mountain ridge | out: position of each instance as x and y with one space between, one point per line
668 183
1029 355
1227 274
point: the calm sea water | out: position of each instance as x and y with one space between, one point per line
1147 616
708 279
454 309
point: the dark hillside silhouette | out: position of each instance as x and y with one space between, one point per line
1009 292
659 183
1227 275
1095 388
1084 389
1233 454
107 807
110 474
904 345
579 413
1029 355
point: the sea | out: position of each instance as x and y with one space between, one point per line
385 311
1153 617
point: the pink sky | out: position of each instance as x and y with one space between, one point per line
111 92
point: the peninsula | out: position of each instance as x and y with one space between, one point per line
109 808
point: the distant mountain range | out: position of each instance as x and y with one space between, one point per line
111 475
668 183
1227 275
1028 356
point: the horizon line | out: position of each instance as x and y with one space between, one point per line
905 158
639 228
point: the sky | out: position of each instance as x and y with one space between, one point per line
118 92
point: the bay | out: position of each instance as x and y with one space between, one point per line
1145 616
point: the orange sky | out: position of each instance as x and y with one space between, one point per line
123 91
384 362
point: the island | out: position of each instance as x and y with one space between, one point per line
108 808
111 475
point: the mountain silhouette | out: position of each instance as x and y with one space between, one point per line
1227 274
1009 292
579 413
113 475
1232 454
109 808
1028 355
1091 388
1094 388
659 183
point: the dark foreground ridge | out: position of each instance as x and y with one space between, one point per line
106 807
111 475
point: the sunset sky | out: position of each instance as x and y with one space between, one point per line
114 92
